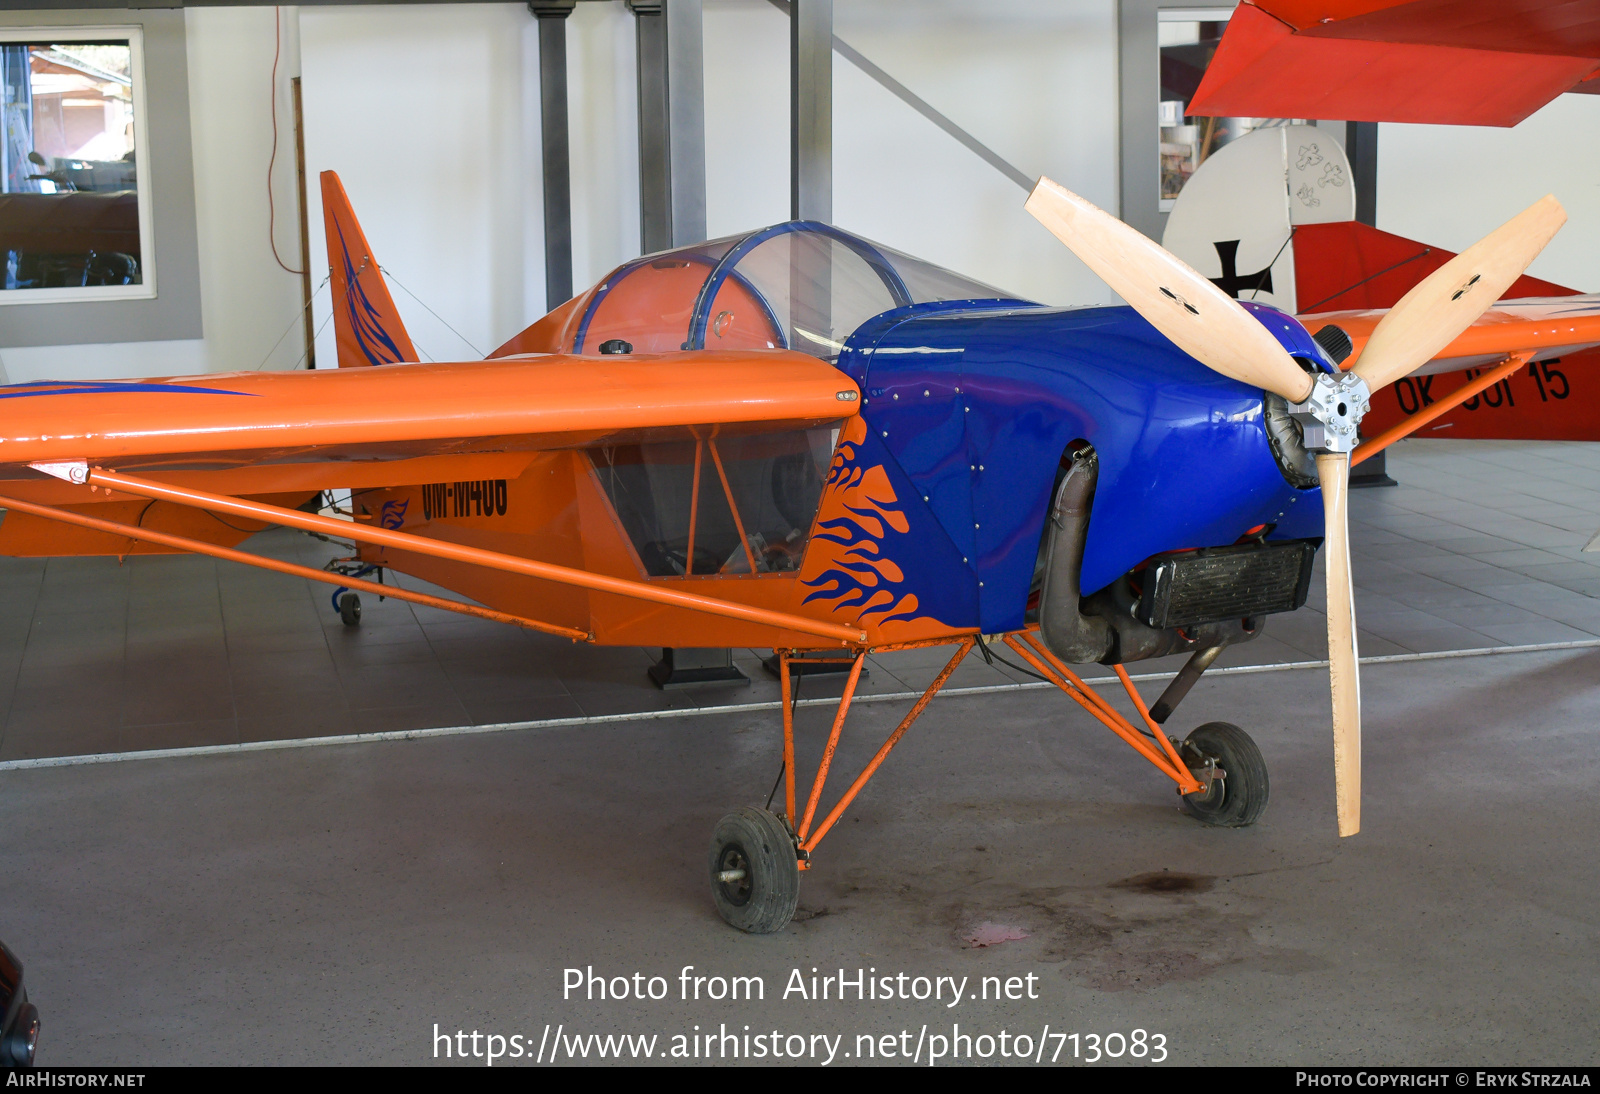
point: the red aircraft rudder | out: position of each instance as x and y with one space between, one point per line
365 321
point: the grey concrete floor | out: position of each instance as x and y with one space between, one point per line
334 904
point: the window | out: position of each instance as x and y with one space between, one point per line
1188 40
718 503
74 224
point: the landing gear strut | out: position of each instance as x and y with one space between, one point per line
1218 768
756 857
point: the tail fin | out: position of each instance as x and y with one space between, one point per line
365 320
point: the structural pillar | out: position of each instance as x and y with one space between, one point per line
557 159
1361 146
672 211
672 123
811 110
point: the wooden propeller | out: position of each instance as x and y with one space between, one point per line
1344 672
1449 300
1199 318
1211 327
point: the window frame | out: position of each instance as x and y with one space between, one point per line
1139 95
146 289
173 314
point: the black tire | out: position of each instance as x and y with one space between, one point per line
350 609
759 844
1240 797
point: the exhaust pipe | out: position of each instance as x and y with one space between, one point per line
1069 634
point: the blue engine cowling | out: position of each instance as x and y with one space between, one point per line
977 401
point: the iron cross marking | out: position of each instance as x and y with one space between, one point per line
1231 281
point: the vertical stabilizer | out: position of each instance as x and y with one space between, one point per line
365 320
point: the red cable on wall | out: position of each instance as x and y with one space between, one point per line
272 215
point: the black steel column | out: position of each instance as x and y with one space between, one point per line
672 123
1361 145
811 110
686 118
552 16
655 162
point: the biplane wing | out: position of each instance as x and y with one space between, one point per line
1479 62
1535 334
1269 218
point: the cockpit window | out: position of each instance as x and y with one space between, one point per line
718 503
648 303
799 285
819 288
927 282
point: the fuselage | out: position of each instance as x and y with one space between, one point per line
975 402
915 513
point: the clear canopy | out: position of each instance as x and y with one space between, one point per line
799 285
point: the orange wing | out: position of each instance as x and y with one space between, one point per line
282 437
1548 327
342 418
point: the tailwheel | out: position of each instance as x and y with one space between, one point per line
1236 792
755 871
350 610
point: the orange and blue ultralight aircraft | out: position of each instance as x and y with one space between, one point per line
799 439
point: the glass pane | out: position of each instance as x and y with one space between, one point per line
775 484
69 207
927 282
1187 47
818 289
648 304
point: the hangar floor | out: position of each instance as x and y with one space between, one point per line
333 904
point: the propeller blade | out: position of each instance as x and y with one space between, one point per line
1344 677
1198 317
1450 299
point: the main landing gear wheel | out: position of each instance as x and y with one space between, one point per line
350 609
1238 798
755 875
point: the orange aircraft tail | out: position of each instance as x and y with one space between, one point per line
365 320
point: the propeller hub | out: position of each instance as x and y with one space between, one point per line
1330 414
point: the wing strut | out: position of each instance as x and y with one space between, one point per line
200 547
82 473
1444 405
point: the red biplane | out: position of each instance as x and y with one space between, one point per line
1456 62
1270 217
798 439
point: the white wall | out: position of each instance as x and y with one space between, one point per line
246 300
430 115
443 165
1451 185
422 110
1034 80
603 122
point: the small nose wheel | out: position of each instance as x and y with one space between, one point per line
350 609
755 874
1238 797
